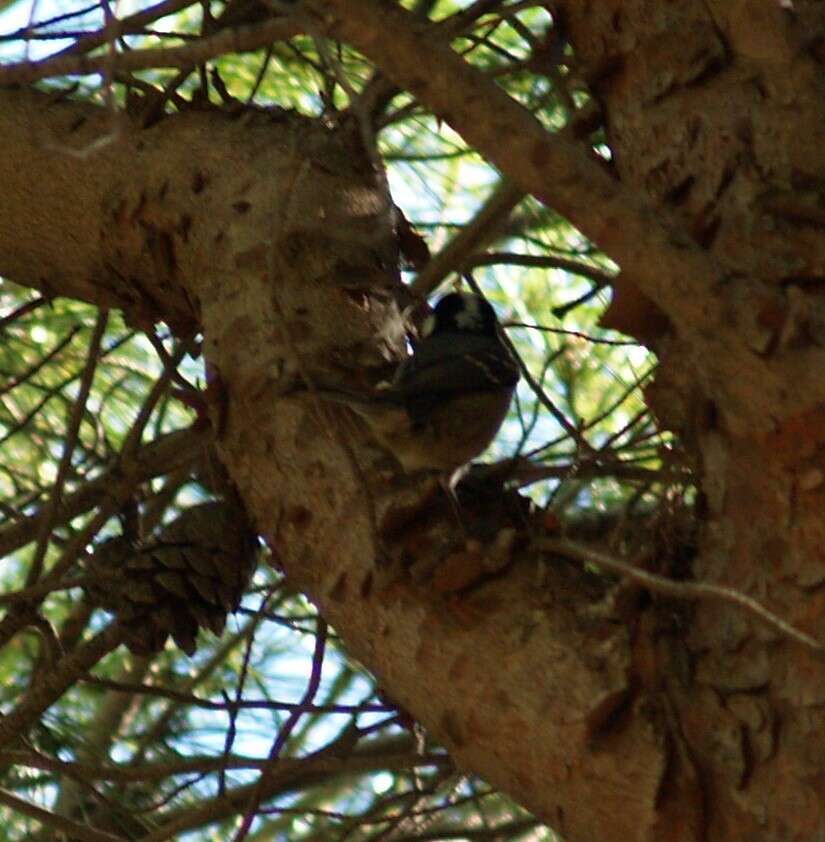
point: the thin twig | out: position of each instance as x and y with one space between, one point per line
167 453
287 776
69 444
52 685
43 360
237 704
240 40
596 340
290 768
71 829
170 367
133 23
563 309
485 227
542 261
233 708
287 728
43 589
25 614
158 727
22 310
679 590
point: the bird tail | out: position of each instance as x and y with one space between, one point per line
354 399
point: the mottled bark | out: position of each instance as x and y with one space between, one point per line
716 111
275 236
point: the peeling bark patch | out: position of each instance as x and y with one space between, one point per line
771 317
680 192
141 204
705 229
146 309
358 296
119 214
366 586
712 64
811 479
728 174
756 716
609 713
242 206
185 227
559 823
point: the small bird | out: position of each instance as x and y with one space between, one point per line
448 399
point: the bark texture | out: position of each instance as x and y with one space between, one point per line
714 117
287 259
715 112
275 236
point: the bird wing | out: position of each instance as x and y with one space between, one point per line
451 364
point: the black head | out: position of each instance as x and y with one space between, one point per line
461 312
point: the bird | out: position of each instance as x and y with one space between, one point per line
448 399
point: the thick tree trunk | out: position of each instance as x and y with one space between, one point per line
708 727
717 112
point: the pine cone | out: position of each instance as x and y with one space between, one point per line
188 577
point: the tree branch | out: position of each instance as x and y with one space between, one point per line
241 39
71 829
54 683
648 242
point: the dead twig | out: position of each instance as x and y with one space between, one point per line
678 590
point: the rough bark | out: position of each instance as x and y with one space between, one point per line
705 728
714 117
716 112
286 258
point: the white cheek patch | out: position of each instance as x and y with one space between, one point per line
469 318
